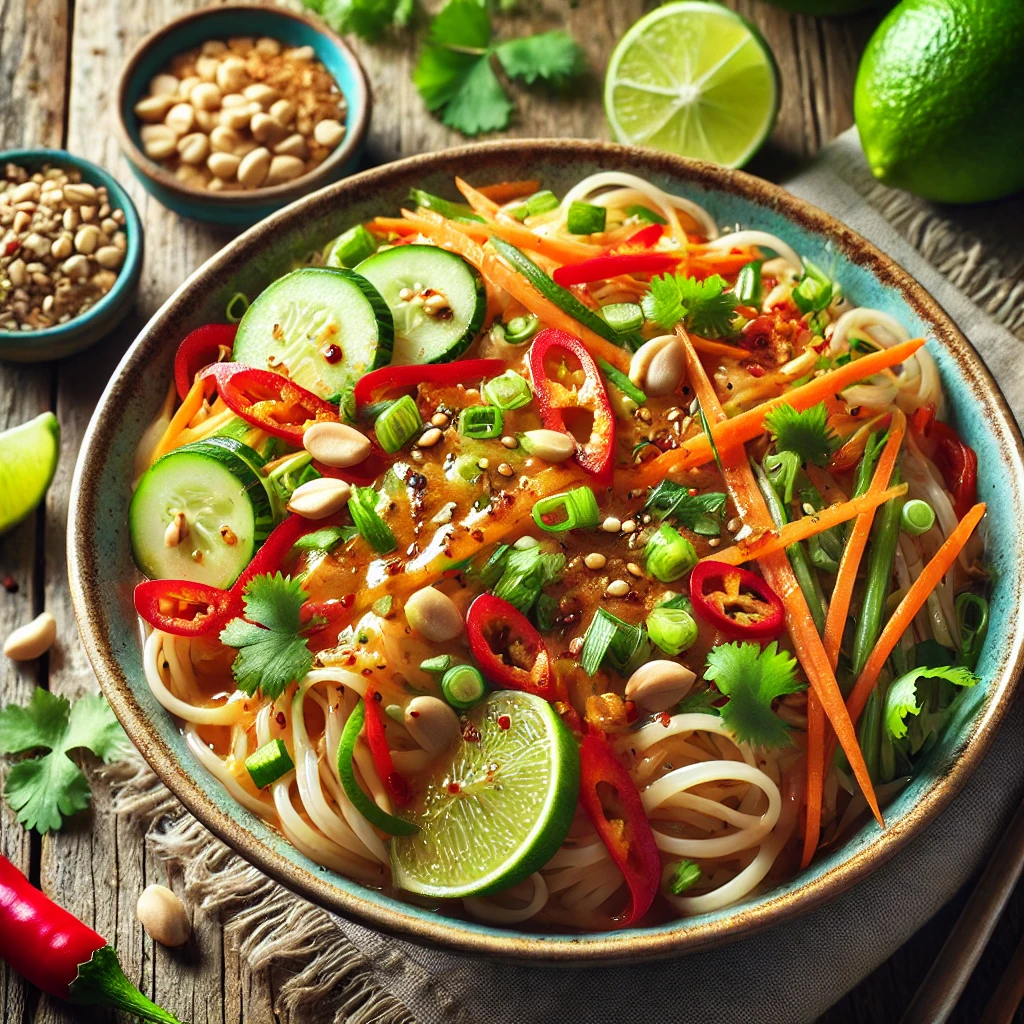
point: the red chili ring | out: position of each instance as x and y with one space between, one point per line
762 629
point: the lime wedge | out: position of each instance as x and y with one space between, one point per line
695 79
28 460
497 807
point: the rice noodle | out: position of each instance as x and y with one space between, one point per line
762 239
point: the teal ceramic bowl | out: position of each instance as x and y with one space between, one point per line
103 576
240 209
83 331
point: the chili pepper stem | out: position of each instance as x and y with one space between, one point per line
101 982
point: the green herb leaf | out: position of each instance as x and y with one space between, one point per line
327 538
699 702
368 19
902 696
700 513
44 790
525 573
685 874
553 57
707 307
271 651
806 433
752 678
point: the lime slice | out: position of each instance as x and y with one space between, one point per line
28 460
498 807
694 79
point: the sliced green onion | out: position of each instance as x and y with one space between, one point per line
579 506
437 666
814 292
290 474
917 517
269 763
382 606
669 555
623 316
546 613
509 391
585 218
346 772
445 207
540 202
622 382
491 571
236 307
526 572
481 422
398 424
351 248
362 506
685 874
645 213
748 285
521 329
972 615
463 686
326 539
672 629
608 637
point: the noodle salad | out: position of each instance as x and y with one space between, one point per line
558 560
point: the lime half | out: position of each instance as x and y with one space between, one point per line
28 460
498 807
695 79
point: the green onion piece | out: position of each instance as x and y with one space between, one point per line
540 202
669 555
269 763
546 613
814 292
685 874
917 517
526 572
623 316
463 686
586 218
672 629
481 422
326 538
236 307
608 637
351 248
362 506
509 391
347 773
382 606
748 285
437 665
622 382
445 207
521 329
491 571
972 615
645 213
579 506
398 424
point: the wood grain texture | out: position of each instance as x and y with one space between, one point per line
98 866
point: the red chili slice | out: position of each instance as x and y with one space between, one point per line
645 238
376 740
275 550
184 608
601 268
735 601
208 344
377 386
956 461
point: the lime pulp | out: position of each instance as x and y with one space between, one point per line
28 460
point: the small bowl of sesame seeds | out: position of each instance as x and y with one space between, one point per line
70 254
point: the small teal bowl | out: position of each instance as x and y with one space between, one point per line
82 331
240 209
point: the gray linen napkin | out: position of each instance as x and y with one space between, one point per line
797 970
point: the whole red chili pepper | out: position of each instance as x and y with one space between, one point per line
956 461
269 400
555 394
184 608
510 652
735 601
623 827
205 345
396 785
600 268
57 953
376 386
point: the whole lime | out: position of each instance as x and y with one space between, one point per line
939 99
825 7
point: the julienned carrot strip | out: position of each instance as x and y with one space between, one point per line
778 573
815 788
478 202
913 601
209 426
727 264
505 191
440 230
564 250
807 526
391 226
179 421
718 348
497 270
695 451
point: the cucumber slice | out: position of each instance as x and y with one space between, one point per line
420 338
325 327
228 512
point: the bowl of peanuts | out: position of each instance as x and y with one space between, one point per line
70 254
230 112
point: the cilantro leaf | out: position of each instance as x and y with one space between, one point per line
44 790
327 538
707 307
480 105
806 433
551 56
752 678
369 19
271 651
699 702
699 513
902 697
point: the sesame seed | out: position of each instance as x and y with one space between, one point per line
510 442
483 463
714 542
645 519
505 469
595 560
634 570
429 437
628 526
734 524
439 419
611 525
576 645
406 294
808 508
617 588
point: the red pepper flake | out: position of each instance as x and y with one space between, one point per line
665 718
280 719
754 370
504 722
367 671
454 787
347 600
397 784
10 585
477 535
332 353
394 567
12 247
470 733
692 492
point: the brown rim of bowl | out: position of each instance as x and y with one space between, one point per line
449 933
361 103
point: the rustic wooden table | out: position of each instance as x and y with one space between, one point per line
59 60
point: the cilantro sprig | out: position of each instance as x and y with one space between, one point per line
752 679
46 789
903 699
369 19
704 306
455 73
805 433
272 652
